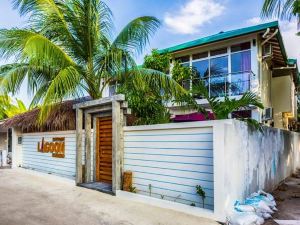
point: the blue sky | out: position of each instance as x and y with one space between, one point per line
182 20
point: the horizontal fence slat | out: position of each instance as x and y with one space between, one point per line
174 161
186 159
198 175
170 145
44 162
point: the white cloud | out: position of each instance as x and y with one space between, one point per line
254 21
291 40
288 31
192 15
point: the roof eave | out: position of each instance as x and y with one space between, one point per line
251 30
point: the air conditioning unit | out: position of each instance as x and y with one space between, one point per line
267 51
268 115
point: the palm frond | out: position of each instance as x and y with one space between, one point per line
41 51
283 9
12 42
135 36
63 86
12 77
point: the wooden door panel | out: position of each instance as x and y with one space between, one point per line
104 150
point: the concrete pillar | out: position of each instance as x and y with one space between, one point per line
116 145
79 114
88 133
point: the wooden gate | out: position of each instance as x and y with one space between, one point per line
104 150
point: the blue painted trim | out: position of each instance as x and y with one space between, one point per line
137 171
169 141
148 160
167 182
167 189
198 149
195 156
192 171
145 135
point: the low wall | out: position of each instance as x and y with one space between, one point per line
168 161
44 162
253 160
242 161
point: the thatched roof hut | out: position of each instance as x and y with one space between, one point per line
61 118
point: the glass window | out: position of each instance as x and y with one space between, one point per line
187 64
219 65
201 55
202 68
240 68
220 51
240 47
183 59
218 76
241 61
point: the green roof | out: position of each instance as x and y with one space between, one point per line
292 61
220 36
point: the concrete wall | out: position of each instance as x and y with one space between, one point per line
173 159
244 161
253 160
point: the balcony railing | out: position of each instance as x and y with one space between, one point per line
231 84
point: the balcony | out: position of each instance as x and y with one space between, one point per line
221 85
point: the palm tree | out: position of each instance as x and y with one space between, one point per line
223 108
68 49
284 9
10 108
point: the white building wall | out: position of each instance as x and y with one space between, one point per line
16 148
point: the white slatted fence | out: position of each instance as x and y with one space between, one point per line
170 160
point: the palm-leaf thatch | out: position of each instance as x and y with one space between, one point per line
61 118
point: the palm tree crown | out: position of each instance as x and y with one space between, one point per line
68 49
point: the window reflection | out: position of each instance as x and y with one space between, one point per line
240 68
213 68
218 76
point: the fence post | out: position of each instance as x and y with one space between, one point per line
218 146
116 145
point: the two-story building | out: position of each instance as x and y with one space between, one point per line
247 59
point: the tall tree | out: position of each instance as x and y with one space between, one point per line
68 49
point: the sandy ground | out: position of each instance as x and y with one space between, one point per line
287 197
29 198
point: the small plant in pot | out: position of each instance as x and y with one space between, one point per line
201 193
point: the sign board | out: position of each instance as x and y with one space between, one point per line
56 147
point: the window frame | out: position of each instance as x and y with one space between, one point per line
229 59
